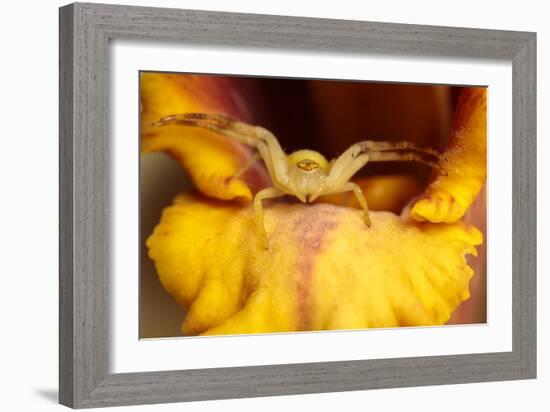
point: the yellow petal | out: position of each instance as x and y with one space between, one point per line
324 268
462 171
210 160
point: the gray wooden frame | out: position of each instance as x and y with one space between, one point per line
85 31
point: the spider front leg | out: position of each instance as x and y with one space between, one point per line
337 181
264 194
385 146
400 157
358 155
350 186
262 139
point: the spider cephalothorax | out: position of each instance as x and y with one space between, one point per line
305 174
307 170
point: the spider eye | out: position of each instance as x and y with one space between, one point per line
308 165
307 160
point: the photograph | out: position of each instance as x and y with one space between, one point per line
286 205
265 206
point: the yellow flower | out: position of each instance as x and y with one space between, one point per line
210 160
463 170
324 268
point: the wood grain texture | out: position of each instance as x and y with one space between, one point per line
66 229
85 31
524 211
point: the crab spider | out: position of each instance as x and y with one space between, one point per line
305 174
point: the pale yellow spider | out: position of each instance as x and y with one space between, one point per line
305 174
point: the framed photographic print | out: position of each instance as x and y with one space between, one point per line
260 205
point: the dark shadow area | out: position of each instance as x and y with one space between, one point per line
51 395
